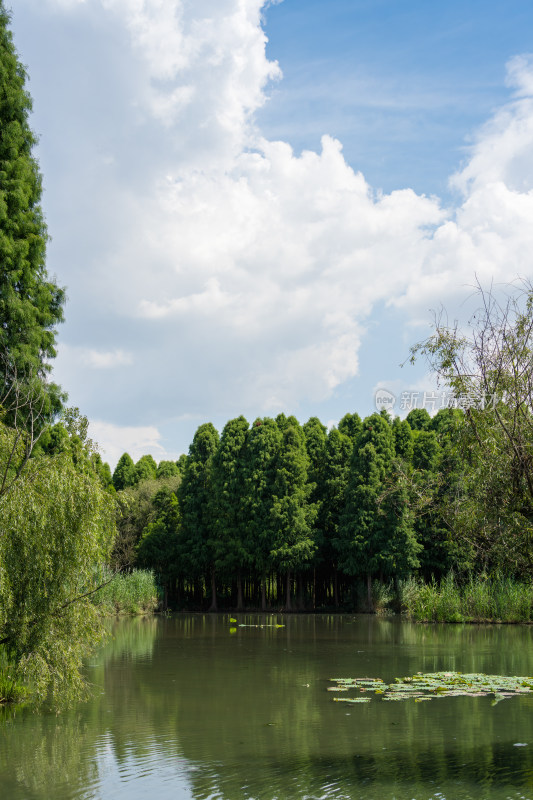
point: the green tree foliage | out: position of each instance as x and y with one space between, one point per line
136 510
489 368
419 419
181 463
339 448
260 470
374 533
124 474
167 469
403 439
229 538
316 442
197 510
30 303
103 470
426 450
56 532
351 426
158 548
293 514
145 469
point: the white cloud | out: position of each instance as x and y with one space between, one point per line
106 359
114 440
241 274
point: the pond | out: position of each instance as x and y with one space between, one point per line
196 706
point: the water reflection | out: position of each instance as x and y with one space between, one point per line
183 708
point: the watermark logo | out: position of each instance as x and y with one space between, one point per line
384 399
433 401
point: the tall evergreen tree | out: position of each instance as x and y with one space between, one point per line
339 448
426 450
158 548
194 496
262 449
145 469
403 439
315 442
375 536
124 474
229 539
167 469
31 304
419 419
103 470
293 514
351 425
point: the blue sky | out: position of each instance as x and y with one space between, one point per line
250 227
402 85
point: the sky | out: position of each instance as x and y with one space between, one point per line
257 207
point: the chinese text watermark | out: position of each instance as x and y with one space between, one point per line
432 401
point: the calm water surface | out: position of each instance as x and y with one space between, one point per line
183 708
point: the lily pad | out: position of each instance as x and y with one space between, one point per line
352 699
426 686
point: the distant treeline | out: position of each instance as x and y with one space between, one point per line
282 514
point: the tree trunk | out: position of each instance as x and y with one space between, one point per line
239 593
288 592
213 606
369 591
301 603
314 588
336 587
263 595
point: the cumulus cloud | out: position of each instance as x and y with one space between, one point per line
489 232
243 274
114 440
106 359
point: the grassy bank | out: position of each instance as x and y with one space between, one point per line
130 593
478 600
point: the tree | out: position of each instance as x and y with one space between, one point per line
488 366
293 514
181 463
419 419
374 533
315 442
145 469
103 470
351 426
339 448
167 469
426 450
57 529
229 537
124 474
260 469
31 304
403 439
196 509
158 548
136 510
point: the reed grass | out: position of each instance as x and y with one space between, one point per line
480 599
382 597
130 593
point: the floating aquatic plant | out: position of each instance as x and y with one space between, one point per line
352 699
427 686
243 625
